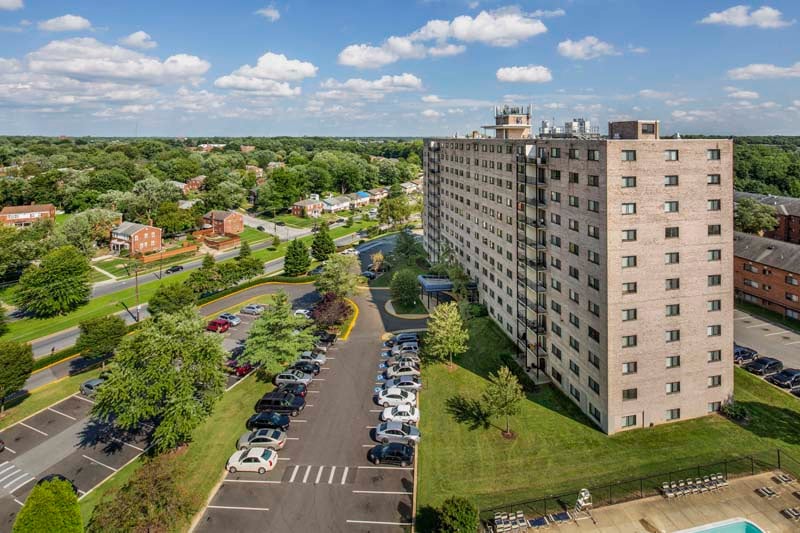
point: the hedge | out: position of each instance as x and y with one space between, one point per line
52 507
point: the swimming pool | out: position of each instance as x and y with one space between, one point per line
734 525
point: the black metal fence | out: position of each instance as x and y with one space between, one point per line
643 487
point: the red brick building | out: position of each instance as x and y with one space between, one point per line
767 273
137 238
311 208
788 211
224 222
21 216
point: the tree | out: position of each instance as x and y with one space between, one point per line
84 230
377 261
297 260
171 298
503 395
51 506
205 279
407 249
16 364
277 336
446 336
404 287
322 247
394 209
751 216
3 321
339 277
56 286
170 371
100 336
457 515
244 250
276 241
331 311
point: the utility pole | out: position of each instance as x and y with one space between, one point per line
136 278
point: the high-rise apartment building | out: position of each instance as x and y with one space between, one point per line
608 260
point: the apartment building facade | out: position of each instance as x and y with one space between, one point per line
608 260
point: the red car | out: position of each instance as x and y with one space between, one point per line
220 325
239 369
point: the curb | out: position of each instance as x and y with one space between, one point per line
346 334
387 306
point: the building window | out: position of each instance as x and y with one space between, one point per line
629 341
594 155
574 201
671 206
714 331
593 231
672 233
714 305
673 361
713 155
792 280
573 225
573 177
629 155
555 196
673 387
594 206
593 308
574 272
574 344
629 315
574 392
555 175
673 414
629 288
714 381
629 394
594 360
672 335
629 209
555 152
592 181
628 261
713 179
593 257
673 309
670 155
594 334
573 153
595 412
670 181
628 235
714 255
574 320
629 421
628 181
714 229
672 284
595 386
714 407
629 368
672 258
574 368
714 280
648 128
714 356
714 205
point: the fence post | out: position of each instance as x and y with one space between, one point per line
641 487
610 495
752 466
779 458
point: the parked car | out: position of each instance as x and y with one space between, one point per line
305 313
402 357
369 275
274 439
298 389
314 357
401 413
252 309
280 223
393 453
395 396
218 325
261 228
388 432
173 269
268 420
764 366
326 337
317 270
351 251
2 445
260 460
411 383
89 388
292 377
788 378
238 369
306 366
743 354
281 402
232 319
405 369
405 347
401 338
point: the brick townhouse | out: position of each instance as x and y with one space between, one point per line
21 216
224 222
787 210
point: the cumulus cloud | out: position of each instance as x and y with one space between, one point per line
446 50
369 89
650 93
527 74
545 13
11 5
270 13
269 77
637 49
431 113
139 39
764 17
590 47
428 98
694 115
740 94
65 23
757 71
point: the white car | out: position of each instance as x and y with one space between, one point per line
409 383
402 369
319 358
406 347
402 358
395 396
305 313
351 251
401 413
260 460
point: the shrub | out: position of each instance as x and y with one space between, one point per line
331 311
51 506
735 411
457 515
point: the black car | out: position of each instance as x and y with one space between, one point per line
393 453
261 228
280 223
326 337
281 402
173 269
268 420
368 274
788 378
298 389
401 338
2 445
743 354
57 477
764 366
317 271
306 366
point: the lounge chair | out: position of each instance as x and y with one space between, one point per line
539 522
682 488
710 485
666 490
784 478
721 480
563 516
521 523
792 513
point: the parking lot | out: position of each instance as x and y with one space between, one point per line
766 338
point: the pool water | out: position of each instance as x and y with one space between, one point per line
736 525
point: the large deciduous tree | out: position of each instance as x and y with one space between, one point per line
751 216
58 285
503 395
297 259
340 276
404 287
51 506
170 372
171 298
100 336
457 515
322 247
446 336
16 364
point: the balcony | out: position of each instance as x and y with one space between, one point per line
541 160
537 265
539 349
537 327
536 245
536 286
532 305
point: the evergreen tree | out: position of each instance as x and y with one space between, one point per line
244 250
171 298
100 336
276 241
58 285
322 246
446 336
16 364
51 506
297 260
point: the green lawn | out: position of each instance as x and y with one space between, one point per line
557 449
299 222
416 309
385 279
252 235
61 218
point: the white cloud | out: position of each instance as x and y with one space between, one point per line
499 28
673 102
590 47
757 71
428 98
263 87
528 74
694 115
657 95
370 89
136 108
554 105
11 5
278 67
270 13
740 94
139 39
796 103
637 49
544 13
431 113
65 23
446 50
764 17
366 56
87 58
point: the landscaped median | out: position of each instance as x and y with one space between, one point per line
557 449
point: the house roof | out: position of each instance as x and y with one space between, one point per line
216 214
784 205
32 208
362 194
378 190
770 252
198 178
336 200
308 202
408 185
129 228
178 184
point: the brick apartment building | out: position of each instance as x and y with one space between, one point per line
310 208
787 210
607 260
767 273
21 216
224 222
136 238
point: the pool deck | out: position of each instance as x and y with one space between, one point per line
658 514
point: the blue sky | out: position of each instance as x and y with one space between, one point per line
411 67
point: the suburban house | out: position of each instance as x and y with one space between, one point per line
275 164
378 194
195 183
258 171
310 207
409 187
136 238
766 272
187 204
786 208
358 199
335 204
181 186
207 147
25 215
246 148
224 222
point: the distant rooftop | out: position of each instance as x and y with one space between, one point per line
770 252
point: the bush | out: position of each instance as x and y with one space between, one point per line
478 310
404 287
331 311
51 506
457 515
735 411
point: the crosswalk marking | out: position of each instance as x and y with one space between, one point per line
308 471
294 473
319 475
330 478
344 474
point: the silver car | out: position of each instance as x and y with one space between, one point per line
395 396
406 347
397 432
409 383
402 358
404 369
252 309
262 438
319 358
89 388
293 376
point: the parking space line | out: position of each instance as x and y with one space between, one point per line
261 481
19 502
238 508
319 475
331 359
12 472
127 444
741 317
284 459
325 368
757 325
60 413
10 450
380 523
313 392
399 492
330 478
34 429
309 405
292 438
23 484
344 475
98 462
386 467
319 379
789 343
78 396
308 471
298 420
13 481
376 410
776 333
294 473
371 427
